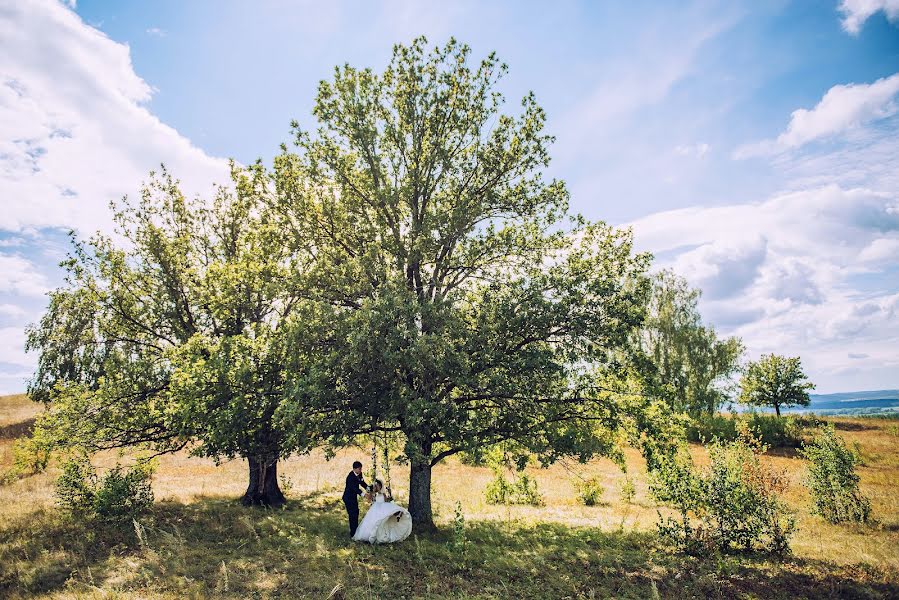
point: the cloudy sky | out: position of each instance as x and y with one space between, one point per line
753 148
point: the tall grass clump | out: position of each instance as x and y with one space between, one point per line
522 489
735 505
832 479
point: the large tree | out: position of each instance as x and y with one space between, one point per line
685 360
775 381
170 334
453 300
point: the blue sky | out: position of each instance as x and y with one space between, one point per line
753 147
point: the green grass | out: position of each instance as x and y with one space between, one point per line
214 547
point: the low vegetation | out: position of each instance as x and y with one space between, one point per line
775 432
833 480
120 495
735 505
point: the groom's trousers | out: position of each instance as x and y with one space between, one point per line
352 510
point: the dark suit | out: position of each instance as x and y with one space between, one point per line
351 495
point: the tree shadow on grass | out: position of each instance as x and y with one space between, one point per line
852 426
213 547
13 431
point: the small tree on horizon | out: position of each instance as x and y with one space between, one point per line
775 381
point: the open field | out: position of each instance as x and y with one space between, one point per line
198 542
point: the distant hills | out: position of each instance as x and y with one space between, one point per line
857 404
850 396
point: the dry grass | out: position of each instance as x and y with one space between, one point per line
199 543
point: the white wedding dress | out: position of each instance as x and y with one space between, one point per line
384 523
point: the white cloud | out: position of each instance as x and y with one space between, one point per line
842 108
12 347
782 273
698 150
11 310
75 131
156 31
20 276
856 12
881 250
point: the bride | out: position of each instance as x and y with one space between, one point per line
385 521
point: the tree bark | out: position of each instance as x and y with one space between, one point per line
263 488
777 408
420 494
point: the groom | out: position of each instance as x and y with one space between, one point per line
351 495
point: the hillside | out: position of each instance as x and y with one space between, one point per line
883 403
198 542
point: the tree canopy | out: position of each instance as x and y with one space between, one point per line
684 360
172 333
456 301
775 381
407 269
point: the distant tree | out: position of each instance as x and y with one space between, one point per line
687 362
775 381
171 334
457 304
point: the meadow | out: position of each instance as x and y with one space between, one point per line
198 542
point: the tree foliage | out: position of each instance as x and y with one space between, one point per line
685 360
775 381
406 271
455 301
172 333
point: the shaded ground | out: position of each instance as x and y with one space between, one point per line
213 547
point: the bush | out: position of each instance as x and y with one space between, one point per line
708 427
30 457
734 505
832 479
120 495
590 491
75 488
771 430
522 490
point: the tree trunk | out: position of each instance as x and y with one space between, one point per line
420 494
263 489
777 408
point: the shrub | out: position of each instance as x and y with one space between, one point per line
120 495
590 491
734 505
30 457
773 431
707 427
832 479
459 541
522 490
75 488
628 491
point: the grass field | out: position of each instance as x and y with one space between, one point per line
198 542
